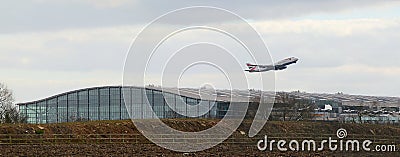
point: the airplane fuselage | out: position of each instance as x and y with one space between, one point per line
277 66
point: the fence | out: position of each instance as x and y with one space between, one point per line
39 139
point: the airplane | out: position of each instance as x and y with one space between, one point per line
277 66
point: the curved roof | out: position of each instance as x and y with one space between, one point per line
203 94
65 93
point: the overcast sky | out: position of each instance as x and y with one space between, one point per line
49 47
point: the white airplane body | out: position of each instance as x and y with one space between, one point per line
277 66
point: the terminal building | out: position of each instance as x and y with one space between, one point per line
108 103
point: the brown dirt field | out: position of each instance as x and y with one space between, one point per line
144 148
153 150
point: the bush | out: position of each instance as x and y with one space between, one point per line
39 131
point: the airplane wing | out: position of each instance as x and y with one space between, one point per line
266 66
282 62
260 66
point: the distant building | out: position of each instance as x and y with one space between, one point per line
371 119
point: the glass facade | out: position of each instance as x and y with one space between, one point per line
94 104
107 103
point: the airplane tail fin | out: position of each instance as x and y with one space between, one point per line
250 65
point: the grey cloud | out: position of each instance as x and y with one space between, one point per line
97 58
378 48
329 80
55 15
